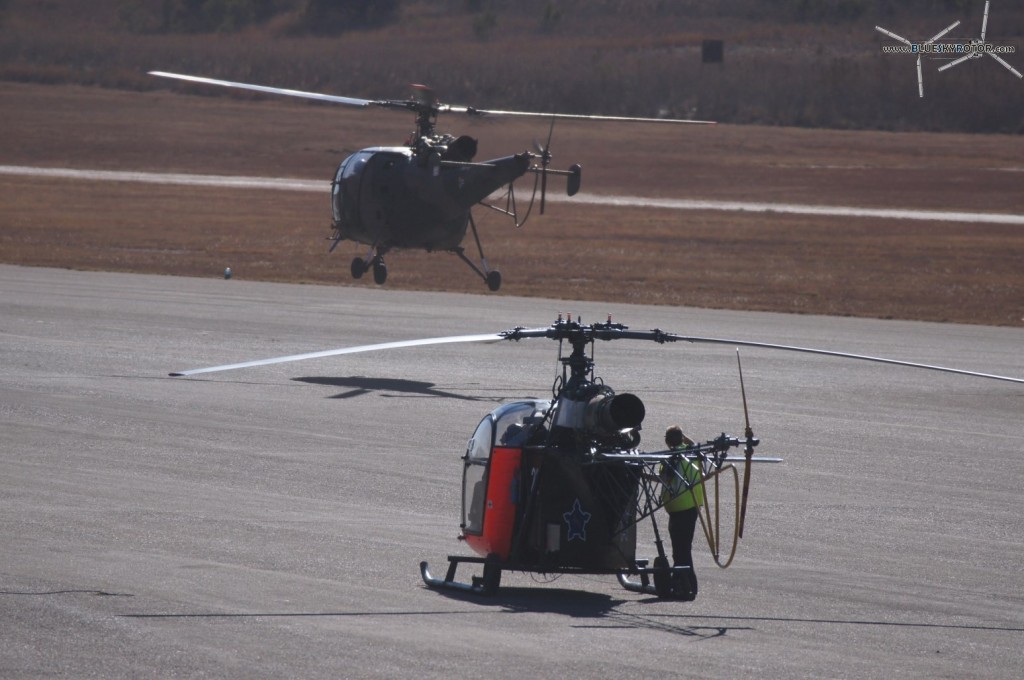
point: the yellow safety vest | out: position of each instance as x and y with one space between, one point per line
676 496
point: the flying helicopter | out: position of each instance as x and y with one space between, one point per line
559 486
420 195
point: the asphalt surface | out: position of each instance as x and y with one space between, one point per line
269 522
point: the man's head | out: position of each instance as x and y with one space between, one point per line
674 438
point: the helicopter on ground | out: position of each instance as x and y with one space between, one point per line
420 195
559 486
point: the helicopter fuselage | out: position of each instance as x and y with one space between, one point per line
532 495
396 197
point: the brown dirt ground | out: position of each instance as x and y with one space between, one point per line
942 271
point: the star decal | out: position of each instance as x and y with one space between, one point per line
577 519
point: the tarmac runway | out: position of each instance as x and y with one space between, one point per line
269 522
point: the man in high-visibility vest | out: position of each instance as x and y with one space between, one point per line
682 501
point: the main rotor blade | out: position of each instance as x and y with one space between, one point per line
893 35
845 355
522 333
1003 62
569 116
487 337
397 104
348 101
661 337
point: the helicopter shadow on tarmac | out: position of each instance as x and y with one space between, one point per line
358 386
607 611
596 610
601 609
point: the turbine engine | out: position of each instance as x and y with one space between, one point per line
596 413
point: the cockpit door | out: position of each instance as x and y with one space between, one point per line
491 477
378 191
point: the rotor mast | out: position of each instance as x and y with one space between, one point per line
424 103
580 365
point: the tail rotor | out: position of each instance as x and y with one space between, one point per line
545 159
748 449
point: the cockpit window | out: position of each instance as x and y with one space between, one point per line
517 424
479 449
345 192
337 197
355 163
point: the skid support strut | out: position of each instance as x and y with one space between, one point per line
492 277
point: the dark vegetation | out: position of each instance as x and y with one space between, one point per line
811 63
315 17
795 62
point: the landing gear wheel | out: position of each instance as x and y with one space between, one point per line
380 272
494 280
662 578
358 268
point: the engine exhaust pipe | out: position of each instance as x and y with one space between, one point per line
608 414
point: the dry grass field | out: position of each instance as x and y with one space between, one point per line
965 272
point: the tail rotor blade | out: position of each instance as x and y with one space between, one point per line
545 158
748 451
543 187
551 132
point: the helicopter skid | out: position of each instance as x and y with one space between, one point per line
489 582
649 574
480 585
